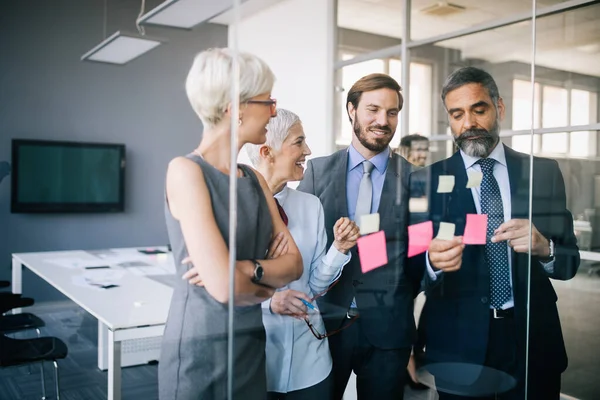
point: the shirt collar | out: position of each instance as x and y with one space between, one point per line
496 154
282 196
380 160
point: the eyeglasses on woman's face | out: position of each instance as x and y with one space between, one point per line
272 103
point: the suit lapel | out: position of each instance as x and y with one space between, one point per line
518 176
341 171
390 186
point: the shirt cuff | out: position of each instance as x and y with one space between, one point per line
335 258
433 275
548 266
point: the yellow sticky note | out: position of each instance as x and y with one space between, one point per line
475 178
446 184
446 231
417 205
369 223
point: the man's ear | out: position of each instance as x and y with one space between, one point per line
501 108
351 111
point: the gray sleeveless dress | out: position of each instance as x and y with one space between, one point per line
193 360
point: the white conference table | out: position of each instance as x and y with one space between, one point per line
136 309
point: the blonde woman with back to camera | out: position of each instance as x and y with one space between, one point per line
193 363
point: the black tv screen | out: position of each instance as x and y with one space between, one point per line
67 177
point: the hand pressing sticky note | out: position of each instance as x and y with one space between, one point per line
475 178
369 223
372 251
445 184
475 229
446 231
419 237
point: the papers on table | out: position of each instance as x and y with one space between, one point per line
148 271
99 279
76 262
132 261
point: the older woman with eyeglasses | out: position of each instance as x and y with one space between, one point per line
298 358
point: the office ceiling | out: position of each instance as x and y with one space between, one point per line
568 41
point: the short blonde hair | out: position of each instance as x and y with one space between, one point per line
278 129
208 84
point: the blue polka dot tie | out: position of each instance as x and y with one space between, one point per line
496 254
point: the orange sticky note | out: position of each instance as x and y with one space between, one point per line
419 237
372 251
475 229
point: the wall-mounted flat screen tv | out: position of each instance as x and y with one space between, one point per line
67 177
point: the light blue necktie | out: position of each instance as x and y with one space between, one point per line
364 200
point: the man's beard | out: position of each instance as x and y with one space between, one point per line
481 147
378 144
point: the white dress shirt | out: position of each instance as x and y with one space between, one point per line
295 358
501 175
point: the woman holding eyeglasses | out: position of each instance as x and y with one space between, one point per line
193 361
298 358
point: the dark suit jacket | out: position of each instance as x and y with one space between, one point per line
384 295
458 309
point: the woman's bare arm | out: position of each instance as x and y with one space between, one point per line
190 203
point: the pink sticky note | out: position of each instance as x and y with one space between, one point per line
419 237
475 229
372 251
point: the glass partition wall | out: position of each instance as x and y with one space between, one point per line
543 57
540 194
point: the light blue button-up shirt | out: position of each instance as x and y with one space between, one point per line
354 175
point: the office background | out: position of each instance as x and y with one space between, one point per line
317 48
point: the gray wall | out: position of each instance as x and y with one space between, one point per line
46 92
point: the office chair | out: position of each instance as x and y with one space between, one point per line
20 322
9 301
16 352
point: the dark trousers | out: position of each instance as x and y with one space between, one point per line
322 390
501 355
380 374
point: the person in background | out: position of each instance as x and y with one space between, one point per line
193 360
479 308
415 148
374 332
